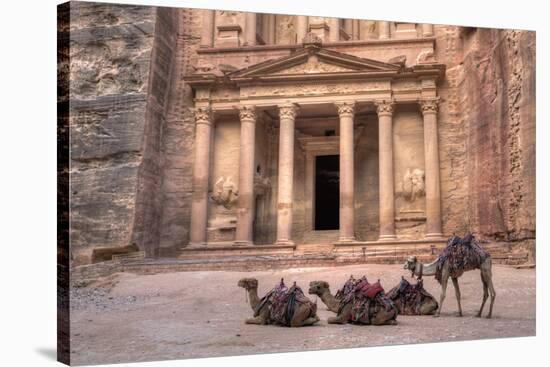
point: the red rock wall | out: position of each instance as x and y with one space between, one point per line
497 92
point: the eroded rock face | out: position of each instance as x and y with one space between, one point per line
118 88
498 93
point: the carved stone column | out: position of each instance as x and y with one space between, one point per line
245 203
385 167
250 29
271 30
334 30
207 35
348 27
287 115
301 28
427 30
383 30
346 112
356 30
201 168
431 156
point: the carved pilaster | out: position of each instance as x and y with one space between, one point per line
428 106
432 177
345 109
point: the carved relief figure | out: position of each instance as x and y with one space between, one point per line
285 29
225 192
228 17
261 184
413 184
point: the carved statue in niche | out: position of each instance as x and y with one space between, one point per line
228 17
285 29
412 186
225 192
261 184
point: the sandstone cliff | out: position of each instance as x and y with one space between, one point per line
497 92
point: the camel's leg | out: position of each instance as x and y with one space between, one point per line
485 294
457 293
428 307
444 279
310 321
342 317
486 269
384 318
258 320
303 316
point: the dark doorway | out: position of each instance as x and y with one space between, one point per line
327 192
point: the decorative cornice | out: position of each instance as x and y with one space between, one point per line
345 108
384 108
247 113
203 115
429 105
288 111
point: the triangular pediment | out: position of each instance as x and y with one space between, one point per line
316 60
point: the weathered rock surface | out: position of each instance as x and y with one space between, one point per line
498 104
119 75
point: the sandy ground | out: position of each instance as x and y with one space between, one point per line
128 317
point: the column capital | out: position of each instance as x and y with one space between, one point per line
288 111
345 108
384 107
247 114
429 105
203 115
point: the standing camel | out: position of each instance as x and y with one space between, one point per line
460 255
302 311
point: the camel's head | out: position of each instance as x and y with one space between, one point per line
410 263
248 283
318 287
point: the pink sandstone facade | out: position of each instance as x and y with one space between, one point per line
263 134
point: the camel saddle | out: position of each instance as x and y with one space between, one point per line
267 300
364 296
348 287
463 254
282 303
408 298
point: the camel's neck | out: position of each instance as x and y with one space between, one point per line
425 269
329 300
253 297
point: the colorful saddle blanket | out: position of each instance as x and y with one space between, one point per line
366 299
463 254
348 287
283 302
408 298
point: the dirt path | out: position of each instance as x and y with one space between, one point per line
129 317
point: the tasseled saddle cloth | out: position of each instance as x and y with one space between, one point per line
366 297
463 254
408 298
283 303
